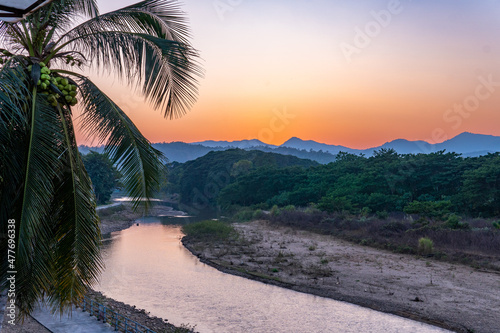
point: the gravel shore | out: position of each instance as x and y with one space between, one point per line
156 324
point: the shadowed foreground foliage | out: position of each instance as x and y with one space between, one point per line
47 206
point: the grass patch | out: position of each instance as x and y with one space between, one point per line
209 230
425 246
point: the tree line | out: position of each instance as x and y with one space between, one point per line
385 182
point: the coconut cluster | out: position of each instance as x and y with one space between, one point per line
67 89
4 54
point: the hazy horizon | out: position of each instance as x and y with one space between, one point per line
356 74
239 140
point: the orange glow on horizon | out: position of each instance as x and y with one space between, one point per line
272 77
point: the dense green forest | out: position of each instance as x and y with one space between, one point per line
199 181
105 177
431 185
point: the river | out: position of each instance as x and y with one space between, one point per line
147 266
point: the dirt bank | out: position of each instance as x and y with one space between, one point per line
452 296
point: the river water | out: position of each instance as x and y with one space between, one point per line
147 266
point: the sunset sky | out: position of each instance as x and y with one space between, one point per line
353 73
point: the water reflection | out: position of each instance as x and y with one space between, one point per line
147 266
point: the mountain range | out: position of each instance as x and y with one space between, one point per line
467 144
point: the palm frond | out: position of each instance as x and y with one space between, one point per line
48 193
14 128
63 12
166 69
59 15
159 18
34 239
76 228
15 95
133 154
14 123
146 44
86 7
43 183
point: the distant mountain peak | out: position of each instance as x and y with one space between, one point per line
295 140
466 143
234 144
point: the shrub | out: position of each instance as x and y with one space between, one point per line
209 230
453 222
312 209
382 214
258 214
425 245
496 225
245 214
436 210
280 199
335 204
275 211
393 227
365 211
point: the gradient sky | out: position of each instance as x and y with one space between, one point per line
282 68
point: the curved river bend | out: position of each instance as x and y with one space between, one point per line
147 266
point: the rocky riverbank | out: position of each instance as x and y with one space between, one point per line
455 297
156 324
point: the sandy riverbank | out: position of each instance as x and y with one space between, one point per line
451 296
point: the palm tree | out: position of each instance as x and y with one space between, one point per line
45 192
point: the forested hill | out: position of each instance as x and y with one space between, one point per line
430 184
199 181
385 182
